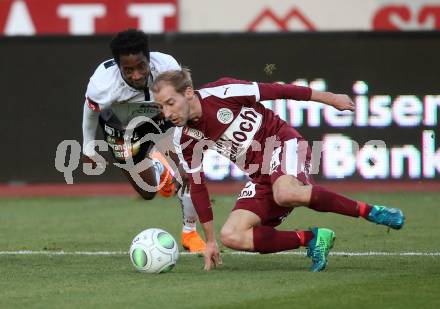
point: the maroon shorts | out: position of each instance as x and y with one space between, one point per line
291 158
258 198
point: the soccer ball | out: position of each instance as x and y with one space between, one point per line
154 251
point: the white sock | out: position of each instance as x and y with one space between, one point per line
159 168
188 211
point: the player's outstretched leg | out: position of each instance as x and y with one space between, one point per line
318 241
319 247
392 217
243 231
327 201
191 240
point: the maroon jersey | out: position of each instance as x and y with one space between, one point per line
236 125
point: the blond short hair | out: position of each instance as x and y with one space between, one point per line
179 79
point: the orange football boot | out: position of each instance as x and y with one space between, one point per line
166 185
193 242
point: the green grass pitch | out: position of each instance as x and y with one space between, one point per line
243 281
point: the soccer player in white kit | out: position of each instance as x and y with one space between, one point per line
118 92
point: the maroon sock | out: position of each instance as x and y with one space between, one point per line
305 237
269 240
364 209
327 201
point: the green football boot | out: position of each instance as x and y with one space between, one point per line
319 247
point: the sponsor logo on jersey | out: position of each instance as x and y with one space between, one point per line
148 110
109 130
248 191
225 115
194 133
239 135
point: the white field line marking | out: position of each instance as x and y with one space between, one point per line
300 253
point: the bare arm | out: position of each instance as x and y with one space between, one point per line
287 91
339 101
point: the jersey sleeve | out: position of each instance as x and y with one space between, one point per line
200 198
160 62
276 91
232 91
247 93
98 94
184 147
192 163
171 63
89 125
104 86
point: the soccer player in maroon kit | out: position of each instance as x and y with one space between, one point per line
227 116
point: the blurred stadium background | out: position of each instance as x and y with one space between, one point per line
384 53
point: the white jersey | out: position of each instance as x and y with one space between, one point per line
108 94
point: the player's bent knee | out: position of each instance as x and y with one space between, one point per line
231 238
286 197
227 236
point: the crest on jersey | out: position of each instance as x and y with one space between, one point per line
225 115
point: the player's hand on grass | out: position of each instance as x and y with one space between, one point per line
343 102
212 256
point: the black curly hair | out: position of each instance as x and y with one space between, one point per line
130 42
